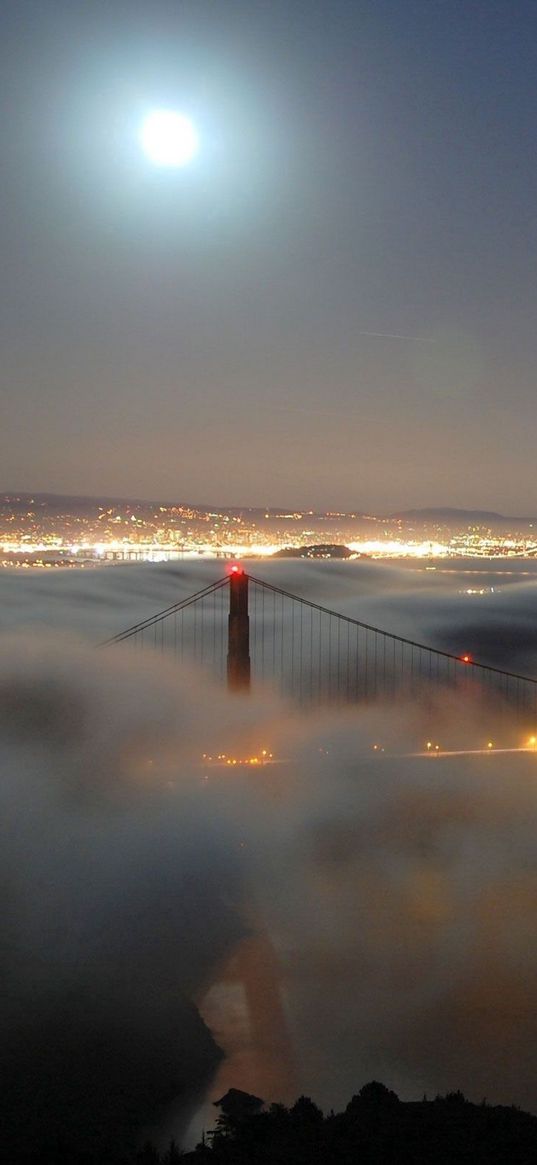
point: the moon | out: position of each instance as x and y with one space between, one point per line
168 138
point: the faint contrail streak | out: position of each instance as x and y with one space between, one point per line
399 336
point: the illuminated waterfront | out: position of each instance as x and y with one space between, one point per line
43 531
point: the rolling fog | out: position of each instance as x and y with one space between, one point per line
338 917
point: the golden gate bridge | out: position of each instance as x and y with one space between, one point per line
251 633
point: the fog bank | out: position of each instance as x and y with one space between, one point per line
379 906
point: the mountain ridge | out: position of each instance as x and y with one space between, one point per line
424 514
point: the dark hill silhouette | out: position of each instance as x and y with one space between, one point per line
15 501
316 550
450 516
376 1129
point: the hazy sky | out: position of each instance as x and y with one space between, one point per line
366 166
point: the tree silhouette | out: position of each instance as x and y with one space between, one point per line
173 1155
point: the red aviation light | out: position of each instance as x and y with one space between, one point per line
466 658
235 569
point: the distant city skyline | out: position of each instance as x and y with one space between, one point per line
57 531
332 306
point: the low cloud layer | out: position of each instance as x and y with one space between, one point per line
404 902
120 891
386 902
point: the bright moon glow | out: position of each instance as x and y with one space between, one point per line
168 138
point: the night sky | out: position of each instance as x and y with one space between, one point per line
204 334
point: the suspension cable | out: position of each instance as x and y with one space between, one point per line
390 635
179 606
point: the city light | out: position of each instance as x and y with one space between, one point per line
35 533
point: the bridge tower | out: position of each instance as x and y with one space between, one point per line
238 643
